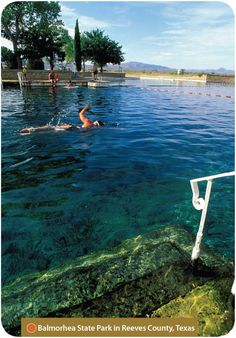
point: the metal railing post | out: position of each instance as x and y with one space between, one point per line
20 78
202 204
196 249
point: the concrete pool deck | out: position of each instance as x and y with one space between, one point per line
43 83
39 78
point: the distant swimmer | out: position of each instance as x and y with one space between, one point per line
86 124
69 84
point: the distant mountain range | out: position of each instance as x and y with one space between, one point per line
145 66
220 71
139 66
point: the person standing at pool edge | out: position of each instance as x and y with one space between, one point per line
86 124
52 76
24 71
95 71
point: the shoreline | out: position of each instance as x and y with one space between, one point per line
168 77
203 78
171 79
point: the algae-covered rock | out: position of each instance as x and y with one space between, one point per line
133 279
211 304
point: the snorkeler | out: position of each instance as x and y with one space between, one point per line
86 124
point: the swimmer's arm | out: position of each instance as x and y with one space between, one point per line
82 112
83 118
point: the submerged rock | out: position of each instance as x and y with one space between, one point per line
133 279
210 304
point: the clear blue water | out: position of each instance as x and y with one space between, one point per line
69 193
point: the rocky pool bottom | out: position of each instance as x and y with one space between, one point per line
149 275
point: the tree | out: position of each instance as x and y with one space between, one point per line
68 48
100 49
77 47
9 58
49 43
12 23
33 27
84 55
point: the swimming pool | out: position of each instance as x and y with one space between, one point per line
68 193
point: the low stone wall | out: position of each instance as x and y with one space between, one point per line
11 74
168 76
105 74
206 78
221 79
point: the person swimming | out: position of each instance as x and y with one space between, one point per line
70 84
87 123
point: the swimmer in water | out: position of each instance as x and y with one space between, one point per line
70 84
86 124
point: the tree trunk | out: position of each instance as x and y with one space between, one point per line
15 49
19 62
15 45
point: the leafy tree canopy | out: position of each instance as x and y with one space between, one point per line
100 49
33 27
9 58
68 48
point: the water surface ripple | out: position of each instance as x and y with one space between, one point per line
69 193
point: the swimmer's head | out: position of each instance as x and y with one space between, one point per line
98 123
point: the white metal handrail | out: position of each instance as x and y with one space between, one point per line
20 78
202 204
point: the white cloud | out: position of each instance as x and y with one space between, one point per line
200 34
208 14
69 15
88 22
68 12
155 41
165 54
175 32
197 12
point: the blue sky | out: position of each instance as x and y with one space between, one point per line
180 34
